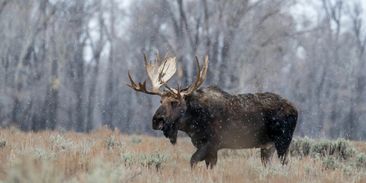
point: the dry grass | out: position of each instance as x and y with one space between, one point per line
108 156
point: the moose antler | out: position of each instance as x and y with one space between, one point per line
200 78
159 75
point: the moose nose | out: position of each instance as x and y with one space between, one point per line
158 122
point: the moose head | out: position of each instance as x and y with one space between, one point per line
172 112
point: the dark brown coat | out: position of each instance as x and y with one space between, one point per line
215 119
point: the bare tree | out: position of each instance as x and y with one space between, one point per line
63 64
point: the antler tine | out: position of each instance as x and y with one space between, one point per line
157 59
140 87
159 73
203 71
178 91
193 85
200 78
175 92
172 90
145 59
198 71
162 72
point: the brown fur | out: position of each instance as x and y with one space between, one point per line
215 119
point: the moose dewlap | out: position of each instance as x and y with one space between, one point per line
215 119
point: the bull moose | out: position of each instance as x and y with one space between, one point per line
215 119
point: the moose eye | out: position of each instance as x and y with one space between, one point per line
174 103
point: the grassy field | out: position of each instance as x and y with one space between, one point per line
108 156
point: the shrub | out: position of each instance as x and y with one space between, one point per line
105 172
59 142
135 140
128 159
361 160
112 142
343 149
152 160
300 147
321 148
339 149
330 163
42 154
146 160
2 143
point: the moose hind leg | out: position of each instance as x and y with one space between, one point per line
283 138
282 155
282 144
267 153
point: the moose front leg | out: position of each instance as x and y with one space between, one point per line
205 152
211 159
199 155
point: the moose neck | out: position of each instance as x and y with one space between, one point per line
197 114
